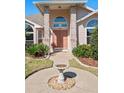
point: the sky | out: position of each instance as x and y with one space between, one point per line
31 9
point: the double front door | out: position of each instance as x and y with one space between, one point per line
60 39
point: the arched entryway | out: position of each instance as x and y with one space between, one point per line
60 33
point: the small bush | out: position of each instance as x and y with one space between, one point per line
94 43
37 50
82 50
88 50
94 53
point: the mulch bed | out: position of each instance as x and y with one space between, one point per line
89 61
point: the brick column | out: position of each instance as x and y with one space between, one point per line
46 39
73 28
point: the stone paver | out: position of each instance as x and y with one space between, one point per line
85 82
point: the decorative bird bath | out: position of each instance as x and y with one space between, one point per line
60 82
61 68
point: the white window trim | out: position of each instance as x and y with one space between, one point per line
86 32
33 36
89 27
30 33
89 21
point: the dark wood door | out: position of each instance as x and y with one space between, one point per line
60 39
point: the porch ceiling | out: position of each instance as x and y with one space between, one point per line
58 4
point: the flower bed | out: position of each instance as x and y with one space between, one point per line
89 61
74 63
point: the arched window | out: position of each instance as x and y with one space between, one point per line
92 23
90 27
28 34
59 22
28 28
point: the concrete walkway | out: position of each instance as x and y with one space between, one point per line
85 82
61 57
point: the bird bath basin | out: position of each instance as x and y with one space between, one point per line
61 68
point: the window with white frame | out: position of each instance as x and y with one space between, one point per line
90 28
59 23
29 34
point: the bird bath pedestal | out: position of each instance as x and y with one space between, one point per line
61 68
60 82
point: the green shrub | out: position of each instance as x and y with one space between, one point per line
94 53
94 43
37 50
82 50
88 50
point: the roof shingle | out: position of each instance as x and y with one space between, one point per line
37 18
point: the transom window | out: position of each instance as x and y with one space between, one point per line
28 33
59 22
90 28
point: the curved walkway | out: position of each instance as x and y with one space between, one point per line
85 82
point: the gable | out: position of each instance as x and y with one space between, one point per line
86 20
82 12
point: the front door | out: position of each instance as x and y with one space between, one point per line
60 40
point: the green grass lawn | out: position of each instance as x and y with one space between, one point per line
74 63
34 65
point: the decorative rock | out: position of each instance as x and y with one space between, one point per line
68 83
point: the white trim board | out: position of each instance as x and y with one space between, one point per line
89 8
90 14
61 2
35 25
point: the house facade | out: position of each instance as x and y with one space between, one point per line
65 23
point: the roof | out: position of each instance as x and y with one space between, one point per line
33 24
37 18
61 2
87 16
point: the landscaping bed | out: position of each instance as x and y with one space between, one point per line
74 63
89 61
34 65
